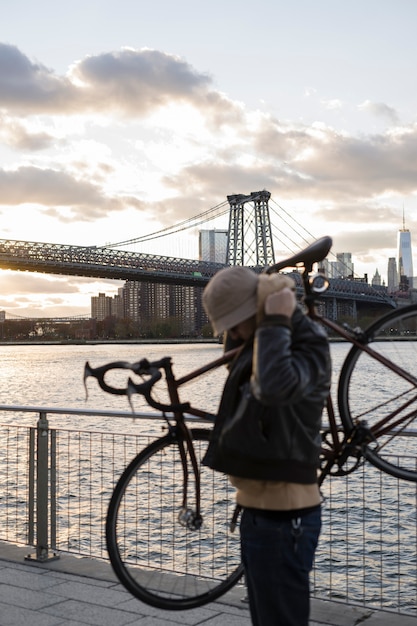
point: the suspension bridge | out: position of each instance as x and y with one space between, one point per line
252 238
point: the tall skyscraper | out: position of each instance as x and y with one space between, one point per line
392 275
405 258
342 268
344 265
212 245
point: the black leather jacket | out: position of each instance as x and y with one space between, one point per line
268 423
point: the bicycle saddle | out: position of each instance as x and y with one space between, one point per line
312 254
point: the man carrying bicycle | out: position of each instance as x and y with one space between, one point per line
267 435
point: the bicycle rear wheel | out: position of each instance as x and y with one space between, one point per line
153 555
370 391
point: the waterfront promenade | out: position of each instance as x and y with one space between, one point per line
74 591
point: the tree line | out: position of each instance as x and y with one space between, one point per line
90 329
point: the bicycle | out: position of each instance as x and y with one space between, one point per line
143 547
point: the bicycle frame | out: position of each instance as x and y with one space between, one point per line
338 450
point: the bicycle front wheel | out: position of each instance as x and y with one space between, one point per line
385 400
157 559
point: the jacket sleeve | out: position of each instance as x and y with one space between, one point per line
291 360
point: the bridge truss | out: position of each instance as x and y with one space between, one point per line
92 261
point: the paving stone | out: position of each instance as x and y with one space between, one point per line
17 616
54 594
92 614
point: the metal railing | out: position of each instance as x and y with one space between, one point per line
56 480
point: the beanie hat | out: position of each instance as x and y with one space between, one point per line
230 297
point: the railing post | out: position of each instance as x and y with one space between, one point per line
42 493
31 486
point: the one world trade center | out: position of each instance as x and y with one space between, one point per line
405 258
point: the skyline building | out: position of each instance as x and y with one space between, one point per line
376 280
101 306
342 268
152 303
212 245
392 275
405 258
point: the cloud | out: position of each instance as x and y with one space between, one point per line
32 283
380 110
326 164
331 105
31 294
364 243
362 213
14 134
55 189
138 79
319 161
131 82
341 167
30 87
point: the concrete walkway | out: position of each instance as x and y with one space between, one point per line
78 591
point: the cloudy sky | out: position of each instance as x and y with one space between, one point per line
121 118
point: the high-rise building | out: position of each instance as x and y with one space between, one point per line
212 245
376 280
101 307
342 268
134 300
392 275
405 258
344 264
152 303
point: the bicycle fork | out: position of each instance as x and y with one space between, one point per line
188 517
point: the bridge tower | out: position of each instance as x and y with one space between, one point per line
249 239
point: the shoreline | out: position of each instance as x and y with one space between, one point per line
92 342
208 340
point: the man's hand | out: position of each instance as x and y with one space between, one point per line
270 300
281 302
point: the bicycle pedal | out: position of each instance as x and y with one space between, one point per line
189 519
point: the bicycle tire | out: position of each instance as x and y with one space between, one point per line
146 543
369 391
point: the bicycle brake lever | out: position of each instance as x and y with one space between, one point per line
145 390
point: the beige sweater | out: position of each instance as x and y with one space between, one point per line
275 496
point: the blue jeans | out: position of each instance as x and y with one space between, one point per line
277 554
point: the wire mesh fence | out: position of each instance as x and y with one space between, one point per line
367 553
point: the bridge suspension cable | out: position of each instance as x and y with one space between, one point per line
294 227
213 213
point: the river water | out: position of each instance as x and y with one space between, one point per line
52 376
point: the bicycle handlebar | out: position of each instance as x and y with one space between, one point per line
141 368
